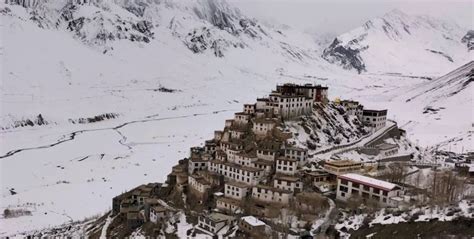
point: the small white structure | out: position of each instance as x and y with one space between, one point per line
271 194
244 159
239 173
265 165
286 165
355 185
249 108
157 213
197 164
198 183
241 118
288 183
252 225
300 154
262 126
236 190
229 205
214 222
374 118
266 154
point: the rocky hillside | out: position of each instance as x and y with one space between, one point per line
202 26
326 126
468 39
397 42
453 83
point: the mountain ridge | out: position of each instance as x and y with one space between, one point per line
389 42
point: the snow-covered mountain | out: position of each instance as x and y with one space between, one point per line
99 96
202 25
447 102
135 42
397 42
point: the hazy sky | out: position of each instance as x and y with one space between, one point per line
338 16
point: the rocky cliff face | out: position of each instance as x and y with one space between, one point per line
347 57
202 26
468 39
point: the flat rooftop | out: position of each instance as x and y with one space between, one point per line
253 221
373 182
344 162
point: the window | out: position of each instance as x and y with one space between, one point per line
366 188
343 181
343 188
355 185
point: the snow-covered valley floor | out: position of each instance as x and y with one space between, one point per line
166 99
78 177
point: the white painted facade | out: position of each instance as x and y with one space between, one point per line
286 166
249 108
355 185
214 222
374 118
236 190
268 155
198 183
241 118
292 184
228 205
262 126
299 154
291 106
271 195
232 171
195 165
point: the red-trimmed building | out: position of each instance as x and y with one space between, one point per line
355 185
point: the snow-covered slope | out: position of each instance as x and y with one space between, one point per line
447 102
401 43
326 127
455 83
131 44
116 98
434 111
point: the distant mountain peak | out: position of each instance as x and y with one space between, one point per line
390 42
